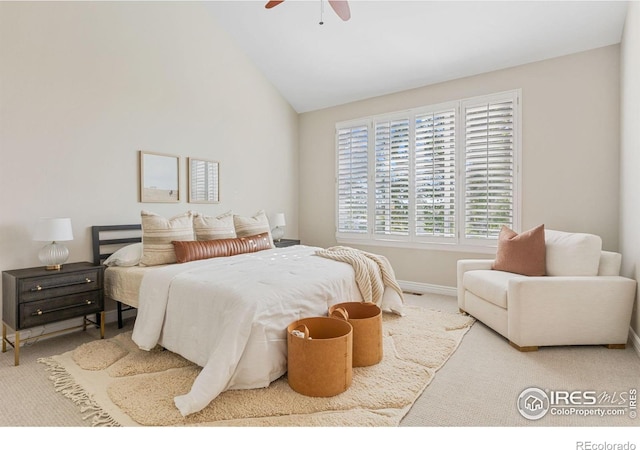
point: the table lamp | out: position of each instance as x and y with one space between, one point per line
278 227
53 230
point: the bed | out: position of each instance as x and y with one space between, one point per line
122 285
229 314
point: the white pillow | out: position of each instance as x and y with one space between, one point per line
207 228
572 254
126 256
158 233
250 226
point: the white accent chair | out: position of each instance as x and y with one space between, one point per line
581 301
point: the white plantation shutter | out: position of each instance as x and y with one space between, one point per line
489 167
352 179
435 178
392 171
438 175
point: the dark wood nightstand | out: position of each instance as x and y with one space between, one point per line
286 242
36 296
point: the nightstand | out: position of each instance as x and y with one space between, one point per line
286 242
37 296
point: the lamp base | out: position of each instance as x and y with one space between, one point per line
277 233
53 255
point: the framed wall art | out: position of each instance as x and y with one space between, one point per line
159 178
204 181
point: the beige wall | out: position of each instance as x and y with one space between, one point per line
85 85
630 151
570 159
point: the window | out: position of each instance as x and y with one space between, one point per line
444 174
353 189
489 175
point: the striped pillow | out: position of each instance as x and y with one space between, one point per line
158 234
209 228
250 226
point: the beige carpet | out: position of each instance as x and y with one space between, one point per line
114 383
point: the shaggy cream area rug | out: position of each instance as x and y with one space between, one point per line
117 384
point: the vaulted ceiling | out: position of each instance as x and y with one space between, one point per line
390 46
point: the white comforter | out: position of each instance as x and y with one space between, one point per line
229 315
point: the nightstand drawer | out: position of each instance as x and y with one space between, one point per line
60 308
37 288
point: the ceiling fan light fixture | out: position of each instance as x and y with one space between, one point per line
341 8
271 4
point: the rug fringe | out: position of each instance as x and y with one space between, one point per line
64 383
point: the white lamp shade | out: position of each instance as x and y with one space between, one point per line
53 229
278 220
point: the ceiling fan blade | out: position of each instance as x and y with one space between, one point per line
271 4
341 7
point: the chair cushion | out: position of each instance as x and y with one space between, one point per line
490 285
572 254
522 253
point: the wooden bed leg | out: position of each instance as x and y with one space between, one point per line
532 348
616 346
119 307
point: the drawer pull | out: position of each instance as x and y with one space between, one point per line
75 283
40 312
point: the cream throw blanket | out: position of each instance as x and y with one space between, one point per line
373 272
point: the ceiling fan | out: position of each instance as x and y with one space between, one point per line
341 7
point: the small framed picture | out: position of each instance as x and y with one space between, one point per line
159 178
204 181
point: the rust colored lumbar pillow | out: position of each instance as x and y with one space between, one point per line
194 250
522 253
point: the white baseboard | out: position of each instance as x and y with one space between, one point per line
424 288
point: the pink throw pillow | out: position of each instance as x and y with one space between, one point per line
522 253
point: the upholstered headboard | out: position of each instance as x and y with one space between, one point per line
106 239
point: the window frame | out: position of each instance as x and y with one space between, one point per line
458 242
